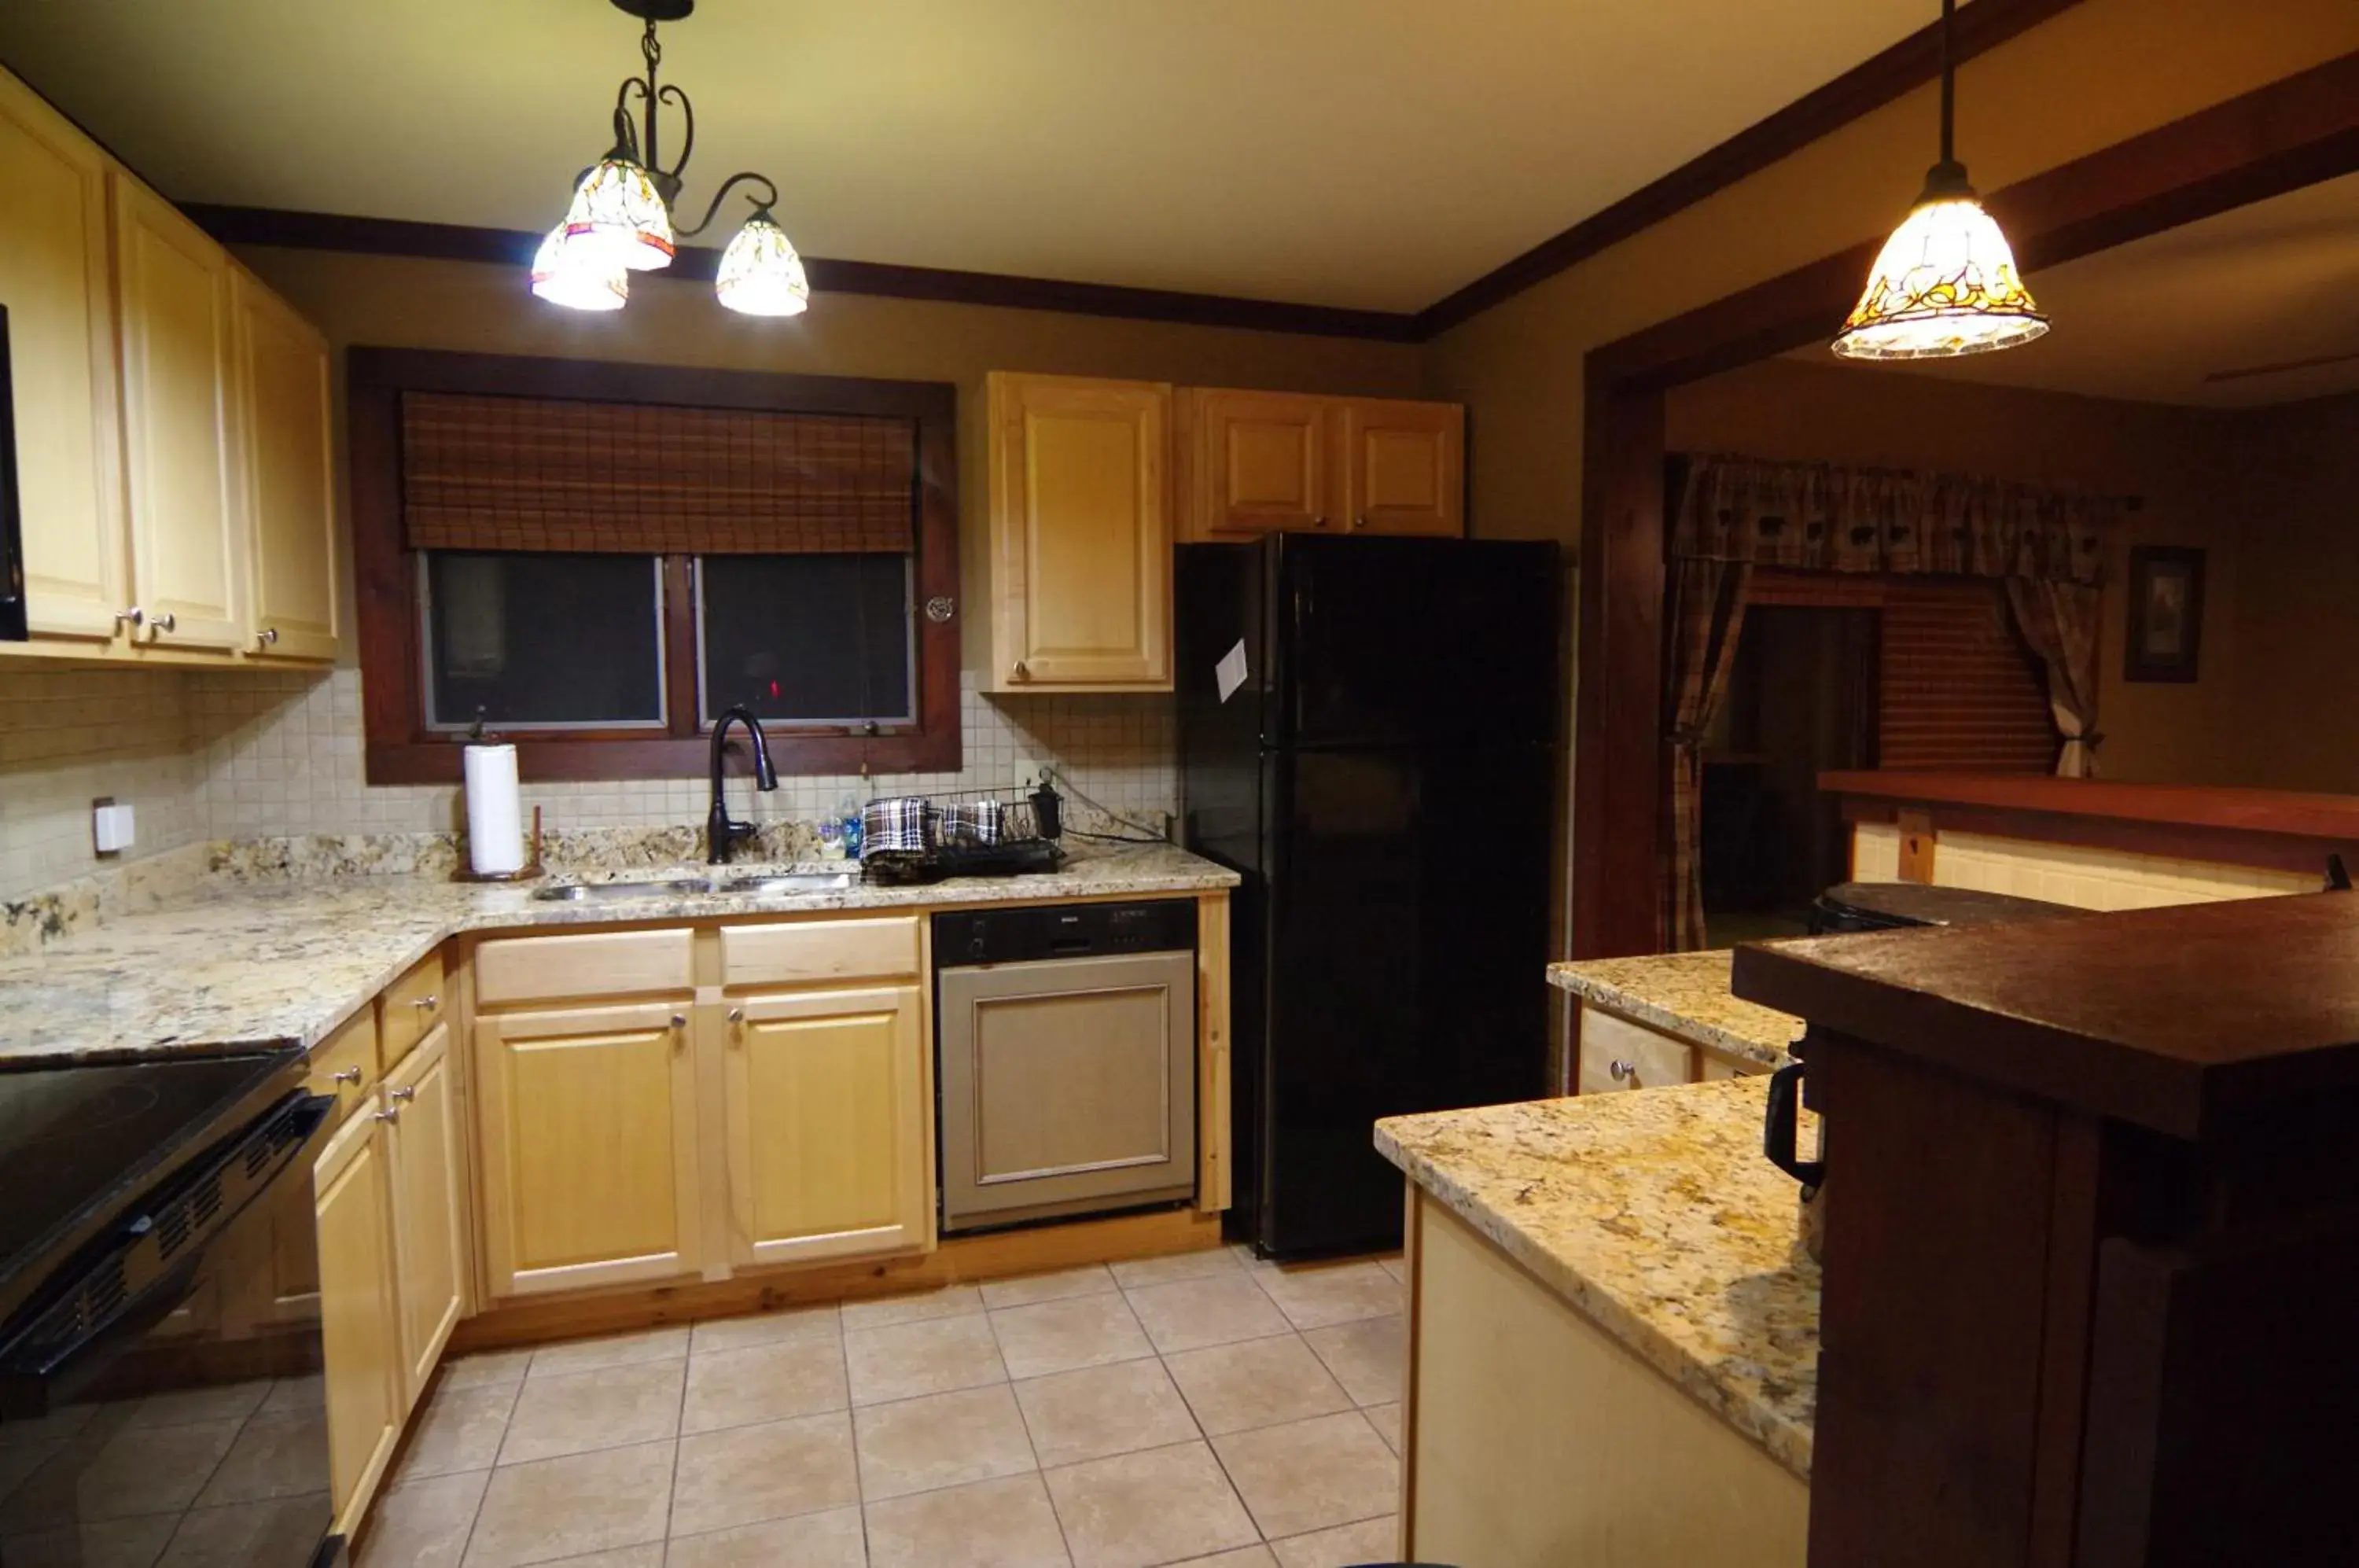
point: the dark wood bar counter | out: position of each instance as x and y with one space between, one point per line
2092 1235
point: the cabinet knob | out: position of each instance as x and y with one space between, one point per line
1359 522
1622 1071
159 624
1318 522
680 1020
266 636
427 1004
1021 672
134 618
405 1094
736 1015
345 1075
390 1113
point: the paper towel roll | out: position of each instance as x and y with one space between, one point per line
494 811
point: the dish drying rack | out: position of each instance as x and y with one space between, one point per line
1004 832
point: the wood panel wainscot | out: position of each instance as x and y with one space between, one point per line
2091 843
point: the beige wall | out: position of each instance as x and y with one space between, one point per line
2094 75
396 302
2179 462
2295 505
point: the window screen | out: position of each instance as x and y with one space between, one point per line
542 639
816 638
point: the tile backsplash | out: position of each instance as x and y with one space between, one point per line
211 755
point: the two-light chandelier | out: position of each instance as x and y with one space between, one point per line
1945 283
620 222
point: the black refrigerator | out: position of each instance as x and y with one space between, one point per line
1367 735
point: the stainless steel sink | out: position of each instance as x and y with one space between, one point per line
578 892
770 885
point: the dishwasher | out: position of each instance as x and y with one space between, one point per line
1065 1055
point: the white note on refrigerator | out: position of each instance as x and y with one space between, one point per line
1231 672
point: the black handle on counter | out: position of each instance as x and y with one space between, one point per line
1779 1127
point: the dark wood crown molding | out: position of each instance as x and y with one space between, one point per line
510 247
1907 65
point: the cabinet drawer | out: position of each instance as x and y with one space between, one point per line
344 1064
597 964
812 951
1618 1054
410 1007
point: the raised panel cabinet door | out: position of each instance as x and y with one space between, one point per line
361 1337
590 1170
1404 467
54 281
422 1139
179 431
1262 463
828 1133
1080 534
286 414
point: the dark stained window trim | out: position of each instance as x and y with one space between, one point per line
401 750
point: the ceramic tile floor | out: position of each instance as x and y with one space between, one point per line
1202 1409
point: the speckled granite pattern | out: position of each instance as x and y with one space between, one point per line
1684 993
33 920
1652 1213
271 961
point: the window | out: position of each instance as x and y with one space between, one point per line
596 560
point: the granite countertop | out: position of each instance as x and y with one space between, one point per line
274 962
1653 1213
1686 994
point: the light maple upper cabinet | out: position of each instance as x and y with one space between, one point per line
588 1132
1256 463
1080 534
1403 466
287 406
422 1143
358 1318
826 1124
188 558
54 273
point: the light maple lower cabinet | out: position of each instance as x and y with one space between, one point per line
828 1136
1080 534
422 1146
589 1146
359 1317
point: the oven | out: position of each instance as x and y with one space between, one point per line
12 526
1066 1049
160 1351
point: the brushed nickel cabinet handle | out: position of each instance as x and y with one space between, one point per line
266 636
680 1020
736 1015
164 623
345 1075
1361 521
427 1003
1622 1071
404 1094
132 617
1021 672
1318 522
390 1113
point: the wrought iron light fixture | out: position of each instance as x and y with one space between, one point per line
621 218
1945 283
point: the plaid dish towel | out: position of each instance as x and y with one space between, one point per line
971 822
899 826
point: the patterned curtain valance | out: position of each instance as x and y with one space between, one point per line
1824 518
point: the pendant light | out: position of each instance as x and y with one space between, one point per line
1945 283
620 219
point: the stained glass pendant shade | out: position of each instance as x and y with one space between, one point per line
581 276
1945 283
760 274
618 207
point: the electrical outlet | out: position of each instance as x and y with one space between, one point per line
112 830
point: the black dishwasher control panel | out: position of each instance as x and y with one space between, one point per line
1029 934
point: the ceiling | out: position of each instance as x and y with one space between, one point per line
1375 154
2269 284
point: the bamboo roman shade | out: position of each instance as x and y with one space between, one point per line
539 473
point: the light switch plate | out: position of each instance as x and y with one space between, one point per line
112 828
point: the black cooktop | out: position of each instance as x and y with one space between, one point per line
78 1141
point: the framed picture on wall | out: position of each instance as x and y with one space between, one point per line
2166 614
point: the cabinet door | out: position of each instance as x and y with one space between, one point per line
828 1136
1404 467
54 283
285 408
357 1315
1080 534
422 1140
1261 463
589 1147
188 537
